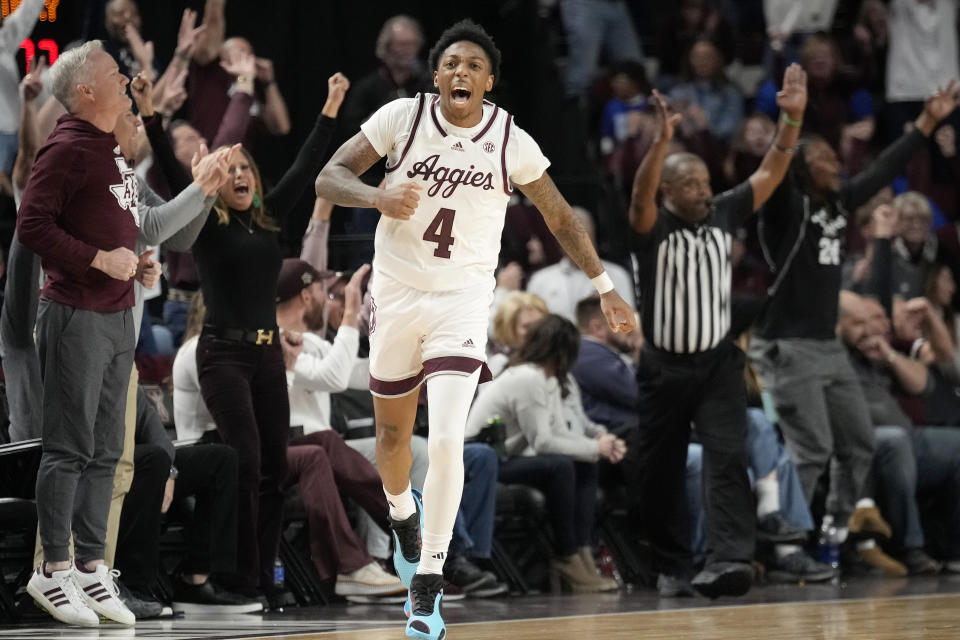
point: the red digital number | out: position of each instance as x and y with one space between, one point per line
441 232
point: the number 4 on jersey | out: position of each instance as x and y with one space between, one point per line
440 231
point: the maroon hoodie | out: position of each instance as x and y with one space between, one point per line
81 197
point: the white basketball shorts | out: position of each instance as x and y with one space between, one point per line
416 334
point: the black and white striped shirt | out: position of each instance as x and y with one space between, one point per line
685 275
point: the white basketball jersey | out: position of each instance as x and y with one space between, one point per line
453 239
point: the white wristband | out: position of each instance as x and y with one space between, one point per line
603 283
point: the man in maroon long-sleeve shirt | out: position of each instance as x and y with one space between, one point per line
79 214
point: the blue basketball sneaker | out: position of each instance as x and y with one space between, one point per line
406 539
425 622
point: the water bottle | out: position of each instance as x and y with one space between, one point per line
278 574
829 545
496 434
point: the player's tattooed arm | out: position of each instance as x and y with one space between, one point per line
563 223
339 181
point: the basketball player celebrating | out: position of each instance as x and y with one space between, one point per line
452 161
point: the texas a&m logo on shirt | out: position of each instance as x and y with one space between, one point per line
127 192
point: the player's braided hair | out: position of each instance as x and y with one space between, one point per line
471 32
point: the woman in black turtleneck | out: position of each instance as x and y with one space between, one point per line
240 362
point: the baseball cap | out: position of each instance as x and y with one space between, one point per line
295 276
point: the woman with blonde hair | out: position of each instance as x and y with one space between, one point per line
518 311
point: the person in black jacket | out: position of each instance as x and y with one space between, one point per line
795 348
239 358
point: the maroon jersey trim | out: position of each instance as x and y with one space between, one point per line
433 114
413 132
503 156
456 364
483 132
395 388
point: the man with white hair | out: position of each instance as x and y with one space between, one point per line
79 214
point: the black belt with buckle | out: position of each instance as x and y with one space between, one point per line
255 336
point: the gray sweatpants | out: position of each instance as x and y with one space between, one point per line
822 414
85 359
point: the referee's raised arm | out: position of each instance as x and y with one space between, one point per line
643 200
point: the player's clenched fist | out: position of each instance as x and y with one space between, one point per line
400 201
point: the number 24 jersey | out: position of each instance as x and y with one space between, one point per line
467 174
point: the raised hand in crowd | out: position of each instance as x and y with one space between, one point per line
142 51
190 36
212 170
141 89
148 270
173 96
792 97
938 106
165 102
337 86
884 220
32 84
353 296
240 64
119 264
243 67
189 39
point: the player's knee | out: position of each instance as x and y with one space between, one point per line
391 442
445 449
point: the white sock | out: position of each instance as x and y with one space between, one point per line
768 495
448 402
784 550
842 533
865 503
402 505
433 553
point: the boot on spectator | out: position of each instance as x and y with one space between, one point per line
866 522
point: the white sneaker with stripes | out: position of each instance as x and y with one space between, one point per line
102 594
60 596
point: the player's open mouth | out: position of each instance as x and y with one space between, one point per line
241 189
460 95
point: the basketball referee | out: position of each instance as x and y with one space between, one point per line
690 371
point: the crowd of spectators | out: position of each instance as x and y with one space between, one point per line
266 358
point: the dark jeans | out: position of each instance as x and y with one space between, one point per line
209 474
175 319
473 528
571 491
708 390
912 463
245 388
326 468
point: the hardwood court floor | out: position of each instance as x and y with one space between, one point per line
922 617
861 609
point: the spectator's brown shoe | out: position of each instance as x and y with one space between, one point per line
866 522
875 557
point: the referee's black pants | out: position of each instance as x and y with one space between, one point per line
706 391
